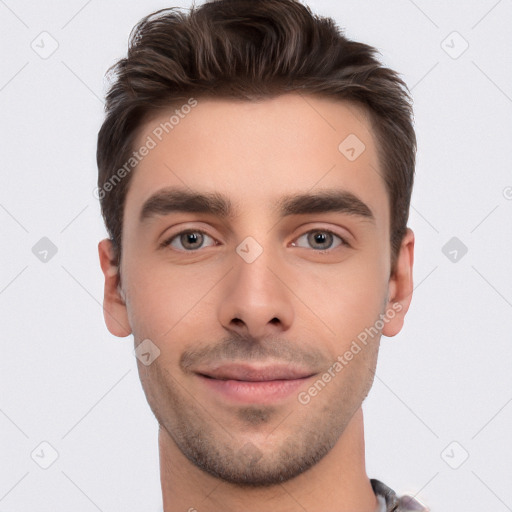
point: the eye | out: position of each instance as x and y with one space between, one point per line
189 240
321 239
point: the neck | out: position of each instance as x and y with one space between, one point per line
338 482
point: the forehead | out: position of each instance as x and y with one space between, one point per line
259 151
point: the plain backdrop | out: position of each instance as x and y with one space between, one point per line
439 416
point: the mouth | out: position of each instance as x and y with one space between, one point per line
251 384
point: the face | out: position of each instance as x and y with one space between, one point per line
255 258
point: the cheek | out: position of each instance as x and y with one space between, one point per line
342 300
162 300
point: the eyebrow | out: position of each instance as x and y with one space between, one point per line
171 200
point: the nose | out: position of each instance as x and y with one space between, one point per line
256 299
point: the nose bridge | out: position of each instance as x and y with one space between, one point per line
252 270
254 299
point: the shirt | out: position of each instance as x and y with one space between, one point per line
390 502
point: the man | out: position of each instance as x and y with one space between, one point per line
255 174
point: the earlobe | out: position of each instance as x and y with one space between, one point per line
114 306
400 286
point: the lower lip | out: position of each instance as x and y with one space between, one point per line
254 391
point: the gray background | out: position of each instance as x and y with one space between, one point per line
443 388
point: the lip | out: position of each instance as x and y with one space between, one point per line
251 373
251 384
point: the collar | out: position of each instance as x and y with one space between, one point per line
390 502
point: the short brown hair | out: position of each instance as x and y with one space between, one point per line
248 49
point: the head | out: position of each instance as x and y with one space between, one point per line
255 175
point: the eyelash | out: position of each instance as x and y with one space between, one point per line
169 241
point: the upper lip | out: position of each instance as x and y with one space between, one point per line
250 373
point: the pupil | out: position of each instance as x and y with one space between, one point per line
191 238
320 238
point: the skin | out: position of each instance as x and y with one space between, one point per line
297 303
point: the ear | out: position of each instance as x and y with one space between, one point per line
114 306
400 286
